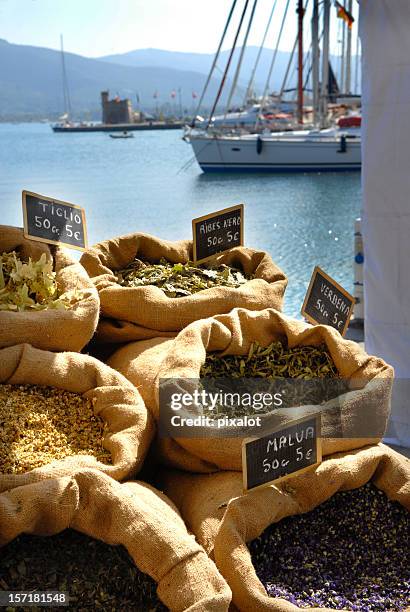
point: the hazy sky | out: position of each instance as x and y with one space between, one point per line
101 27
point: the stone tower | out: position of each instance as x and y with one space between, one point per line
116 111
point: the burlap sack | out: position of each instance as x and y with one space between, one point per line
365 408
130 428
146 312
224 520
132 514
53 330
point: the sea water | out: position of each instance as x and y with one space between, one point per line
151 183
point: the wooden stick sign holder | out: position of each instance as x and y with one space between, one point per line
54 221
327 302
217 232
287 451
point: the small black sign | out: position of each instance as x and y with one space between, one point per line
53 221
327 303
217 232
283 453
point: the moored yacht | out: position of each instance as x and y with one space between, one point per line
324 148
315 150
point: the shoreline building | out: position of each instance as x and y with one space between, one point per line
116 110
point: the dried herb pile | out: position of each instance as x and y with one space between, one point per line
273 361
30 285
352 553
96 576
307 374
41 424
179 280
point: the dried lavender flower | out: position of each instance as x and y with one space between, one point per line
349 553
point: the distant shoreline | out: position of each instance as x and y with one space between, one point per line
43 119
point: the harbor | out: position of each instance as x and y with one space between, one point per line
119 127
204 349
153 182
117 116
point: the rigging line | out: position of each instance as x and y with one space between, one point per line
339 50
272 65
305 63
187 165
215 59
221 86
356 68
310 67
240 88
308 59
251 80
310 50
305 59
191 160
308 73
285 78
343 54
242 53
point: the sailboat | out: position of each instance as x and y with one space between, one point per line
321 148
305 151
65 118
65 122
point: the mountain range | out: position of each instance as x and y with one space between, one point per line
201 62
31 79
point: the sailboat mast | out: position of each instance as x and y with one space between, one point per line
300 11
324 93
228 63
66 92
348 77
215 60
288 67
239 64
343 57
315 61
249 90
272 64
356 66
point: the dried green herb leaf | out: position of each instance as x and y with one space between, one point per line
179 279
278 362
94 574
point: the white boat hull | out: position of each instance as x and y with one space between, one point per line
285 153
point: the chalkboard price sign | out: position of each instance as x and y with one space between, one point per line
289 450
217 232
327 303
53 221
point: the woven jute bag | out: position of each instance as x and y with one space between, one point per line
129 426
345 420
224 520
134 515
51 329
137 313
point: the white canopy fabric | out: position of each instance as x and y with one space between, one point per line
385 37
